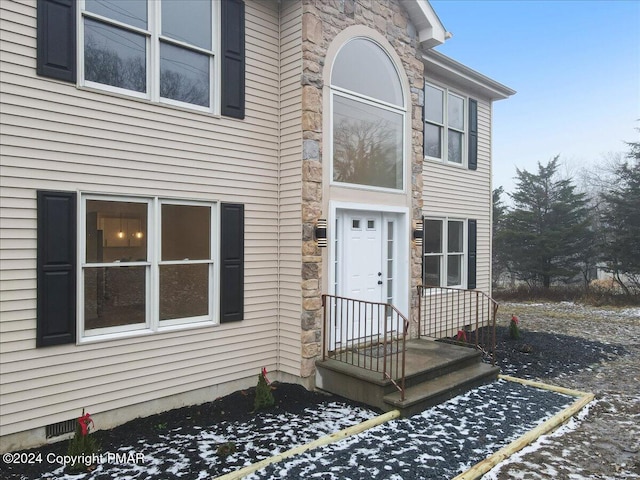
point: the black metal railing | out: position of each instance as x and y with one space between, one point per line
369 335
466 317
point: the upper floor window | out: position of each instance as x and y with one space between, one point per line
445 125
368 115
161 50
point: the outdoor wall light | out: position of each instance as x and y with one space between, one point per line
321 232
418 233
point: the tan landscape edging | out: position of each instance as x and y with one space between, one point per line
334 437
531 436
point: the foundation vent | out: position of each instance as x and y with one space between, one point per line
61 428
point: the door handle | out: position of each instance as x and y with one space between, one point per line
379 274
379 282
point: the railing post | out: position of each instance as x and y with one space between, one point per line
477 317
324 327
493 340
404 358
384 346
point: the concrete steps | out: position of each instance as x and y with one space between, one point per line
440 389
434 372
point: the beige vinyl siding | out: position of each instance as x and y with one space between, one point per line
457 192
290 186
59 137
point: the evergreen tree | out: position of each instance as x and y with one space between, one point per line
499 260
547 230
620 219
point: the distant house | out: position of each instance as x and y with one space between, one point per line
164 170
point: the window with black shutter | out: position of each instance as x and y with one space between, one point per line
126 50
147 264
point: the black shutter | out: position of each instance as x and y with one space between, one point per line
56 268
471 253
231 262
473 134
232 59
56 43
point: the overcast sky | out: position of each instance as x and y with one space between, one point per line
575 65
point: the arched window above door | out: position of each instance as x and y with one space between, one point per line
364 68
368 117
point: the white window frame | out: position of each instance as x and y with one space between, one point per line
444 255
153 323
377 103
211 262
445 127
153 40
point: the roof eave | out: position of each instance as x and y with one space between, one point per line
431 32
471 79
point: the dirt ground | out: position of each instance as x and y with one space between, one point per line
604 442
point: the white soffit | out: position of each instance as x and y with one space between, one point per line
431 32
447 68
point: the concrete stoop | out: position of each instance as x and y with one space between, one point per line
434 373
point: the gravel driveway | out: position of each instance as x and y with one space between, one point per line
604 442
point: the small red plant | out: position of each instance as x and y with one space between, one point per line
461 336
84 421
264 374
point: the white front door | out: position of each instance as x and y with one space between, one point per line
362 257
365 268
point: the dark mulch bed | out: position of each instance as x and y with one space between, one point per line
176 426
547 355
441 442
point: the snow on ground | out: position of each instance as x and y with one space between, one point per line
539 444
438 443
171 457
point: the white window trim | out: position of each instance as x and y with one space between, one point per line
444 255
153 323
153 40
445 126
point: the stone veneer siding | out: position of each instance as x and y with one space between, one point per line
322 20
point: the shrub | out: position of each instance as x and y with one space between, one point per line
514 328
264 397
82 446
226 449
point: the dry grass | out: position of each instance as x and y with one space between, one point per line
599 293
